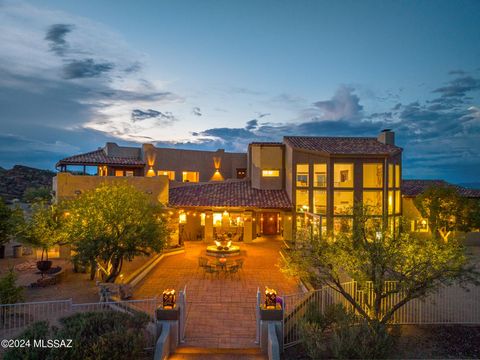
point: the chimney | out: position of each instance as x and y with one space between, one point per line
387 137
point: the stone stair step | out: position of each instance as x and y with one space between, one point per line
198 353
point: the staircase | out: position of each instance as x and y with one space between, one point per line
198 353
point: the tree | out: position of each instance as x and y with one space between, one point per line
39 194
113 223
43 229
445 210
9 221
372 257
10 293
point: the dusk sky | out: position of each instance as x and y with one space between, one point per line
220 74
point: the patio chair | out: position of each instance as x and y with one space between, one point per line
232 270
211 270
202 262
240 262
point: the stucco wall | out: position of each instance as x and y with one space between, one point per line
180 160
67 186
267 157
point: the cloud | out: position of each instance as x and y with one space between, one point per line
86 68
56 36
196 111
252 124
343 105
459 87
162 118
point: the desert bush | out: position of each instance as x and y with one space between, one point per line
94 335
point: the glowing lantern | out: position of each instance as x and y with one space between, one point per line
168 298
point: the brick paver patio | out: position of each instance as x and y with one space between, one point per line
220 310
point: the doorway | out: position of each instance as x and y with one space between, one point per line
270 223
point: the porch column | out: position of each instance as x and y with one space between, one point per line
247 226
287 226
208 226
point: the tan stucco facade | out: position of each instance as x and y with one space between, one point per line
267 157
67 186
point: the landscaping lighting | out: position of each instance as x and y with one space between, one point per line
168 298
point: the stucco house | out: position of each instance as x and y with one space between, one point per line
271 189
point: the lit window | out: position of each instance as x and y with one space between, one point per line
320 202
343 175
169 173
373 175
343 202
302 175
397 176
398 201
129 173
217 219
190 176
202 219
420 225
391 176
320 175
301 200
118 172
182 218
270 173
390 202
372 201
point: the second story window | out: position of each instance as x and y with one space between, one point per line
302 175
270 173
170 174
373 175
190 176
343 175
320 175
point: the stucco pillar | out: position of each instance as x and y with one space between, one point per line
208 226
287 226
247 226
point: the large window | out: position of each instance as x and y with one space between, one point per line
320 202
390 202
343 202
391 176
343 175
372 201
373 175
217 219
301 200
320 175
302 175
342 225
190 176
397 176
270 173
398 201
169 173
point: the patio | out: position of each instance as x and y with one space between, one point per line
220 309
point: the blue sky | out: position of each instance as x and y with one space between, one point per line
219 74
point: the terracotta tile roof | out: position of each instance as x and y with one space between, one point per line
98 157
342 145
266 143
415 187
228 194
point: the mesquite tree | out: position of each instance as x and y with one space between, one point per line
373 257
111 224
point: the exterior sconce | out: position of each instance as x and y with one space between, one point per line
270 298
182 218
168 298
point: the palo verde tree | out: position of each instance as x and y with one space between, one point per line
373 257
43 228
446 211
113 223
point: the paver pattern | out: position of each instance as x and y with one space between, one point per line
220 310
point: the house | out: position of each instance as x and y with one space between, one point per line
270 190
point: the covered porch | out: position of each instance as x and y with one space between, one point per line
232 223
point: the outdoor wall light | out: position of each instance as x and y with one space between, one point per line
168 298
270 298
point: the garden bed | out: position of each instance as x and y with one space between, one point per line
424 342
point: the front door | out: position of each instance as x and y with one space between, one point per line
270 221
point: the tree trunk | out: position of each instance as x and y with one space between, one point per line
116 268
93 269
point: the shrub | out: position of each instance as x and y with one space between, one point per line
10 293
341 334
94 335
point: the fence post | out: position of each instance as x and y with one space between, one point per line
257 315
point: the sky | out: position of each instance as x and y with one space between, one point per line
220 74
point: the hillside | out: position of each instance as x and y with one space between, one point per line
13 182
